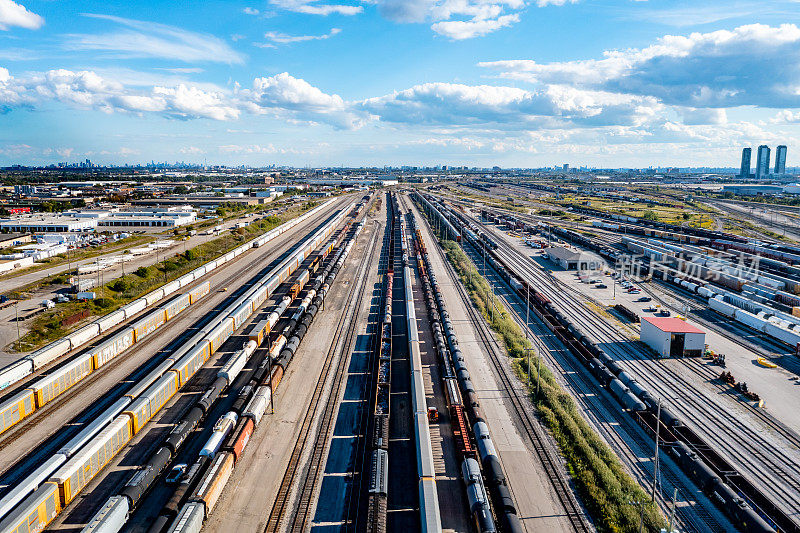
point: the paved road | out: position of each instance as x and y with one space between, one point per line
8 323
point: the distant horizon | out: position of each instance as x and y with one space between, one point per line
157 165
312 83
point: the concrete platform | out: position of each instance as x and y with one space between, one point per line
537 503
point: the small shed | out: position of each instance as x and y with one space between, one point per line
673 337
571 259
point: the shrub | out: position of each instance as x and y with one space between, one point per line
103 303
143 272
120 285
604 485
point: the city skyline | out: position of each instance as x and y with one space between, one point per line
478 83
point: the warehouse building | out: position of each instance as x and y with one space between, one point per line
571 259
47 224
672 337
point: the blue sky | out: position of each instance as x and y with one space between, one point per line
362 82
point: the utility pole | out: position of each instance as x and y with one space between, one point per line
538 374
655 457
16 312
672 511
527 308
528 360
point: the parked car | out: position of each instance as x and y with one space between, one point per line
601 286
644 299
175 474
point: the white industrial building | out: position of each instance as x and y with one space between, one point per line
571 259
92 219
47 224
672 337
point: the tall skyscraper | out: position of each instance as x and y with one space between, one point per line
762 162
780 160
746 154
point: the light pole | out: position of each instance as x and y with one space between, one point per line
16 312
672 511
655 457
527 308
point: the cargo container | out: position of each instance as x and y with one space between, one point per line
190 519
198 292
35 512
241 313
146 325
190 363
214 481
15 372
152 297
110 518
84 465
258 404
145 407
220 334
243 432
259 331
49 353
16 408
111 348
177 305
134 307
83 335
61 379
186 279
171 287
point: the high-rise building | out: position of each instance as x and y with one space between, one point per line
745 170
762 162
780 160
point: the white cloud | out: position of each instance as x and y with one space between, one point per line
250 11
509 107
297 99
544 3
282 38
455 19
13 14
467 29
313 7
750 65
191 150
786 116
150 39
86 89
183 70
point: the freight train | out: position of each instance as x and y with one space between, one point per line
458 385
641 404
428 497
201 486
46 389
73 467
47 354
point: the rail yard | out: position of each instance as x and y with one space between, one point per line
413 359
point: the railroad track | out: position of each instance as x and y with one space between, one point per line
57 438
356 490
306 478
688 395
574 373
708 374
536 435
